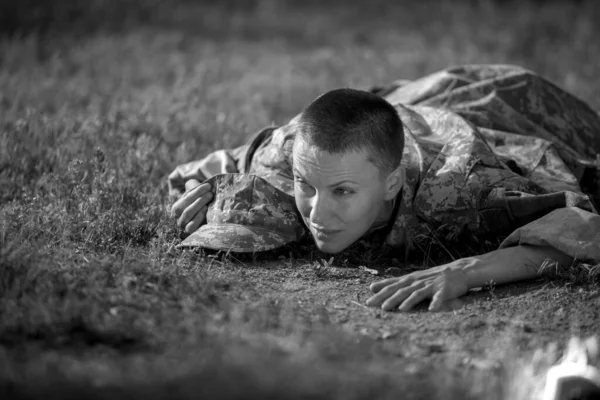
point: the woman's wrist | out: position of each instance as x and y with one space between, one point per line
473 268
502 266
510 264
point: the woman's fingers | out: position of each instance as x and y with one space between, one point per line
377 286
193 209
196 190
438 300
442 303
415 298
443 284
411 277
388 291
197 221
400 295
191 183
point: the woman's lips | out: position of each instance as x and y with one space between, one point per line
324 234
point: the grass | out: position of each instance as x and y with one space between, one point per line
99 102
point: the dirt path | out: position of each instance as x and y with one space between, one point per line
513 318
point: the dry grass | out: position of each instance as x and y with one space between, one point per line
100 102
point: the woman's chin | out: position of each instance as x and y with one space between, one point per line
329 247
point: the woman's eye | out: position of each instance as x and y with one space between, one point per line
302 184
342 192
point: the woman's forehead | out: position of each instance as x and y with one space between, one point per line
310 160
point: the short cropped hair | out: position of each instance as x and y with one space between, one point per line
346 120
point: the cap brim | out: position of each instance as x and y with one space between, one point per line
236 238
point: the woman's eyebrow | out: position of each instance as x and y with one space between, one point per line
296 172
341 183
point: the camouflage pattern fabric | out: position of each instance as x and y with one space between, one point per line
488 149
217 162
247 214
564 230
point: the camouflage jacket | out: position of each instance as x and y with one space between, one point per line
490 150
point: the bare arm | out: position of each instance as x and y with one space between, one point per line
512 264
445 283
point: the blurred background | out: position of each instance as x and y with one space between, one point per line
194 16
554 37
192 76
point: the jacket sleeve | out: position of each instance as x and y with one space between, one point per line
255 157
572 230
215 163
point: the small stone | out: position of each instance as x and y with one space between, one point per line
369 270
388 334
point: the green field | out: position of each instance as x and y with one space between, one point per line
100 100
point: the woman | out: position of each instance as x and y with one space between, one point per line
469 152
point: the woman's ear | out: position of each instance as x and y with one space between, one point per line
394 183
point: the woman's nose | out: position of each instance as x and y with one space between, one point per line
321 210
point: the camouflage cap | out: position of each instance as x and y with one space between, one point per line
247 214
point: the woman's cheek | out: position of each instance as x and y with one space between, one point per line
354 210
302 204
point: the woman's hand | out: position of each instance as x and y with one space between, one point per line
443 284
191 208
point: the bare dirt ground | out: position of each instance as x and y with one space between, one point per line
519 317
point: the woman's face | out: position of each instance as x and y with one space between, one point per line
338 195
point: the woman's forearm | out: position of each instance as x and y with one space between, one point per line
511 264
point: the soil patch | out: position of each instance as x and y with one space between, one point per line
518 317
